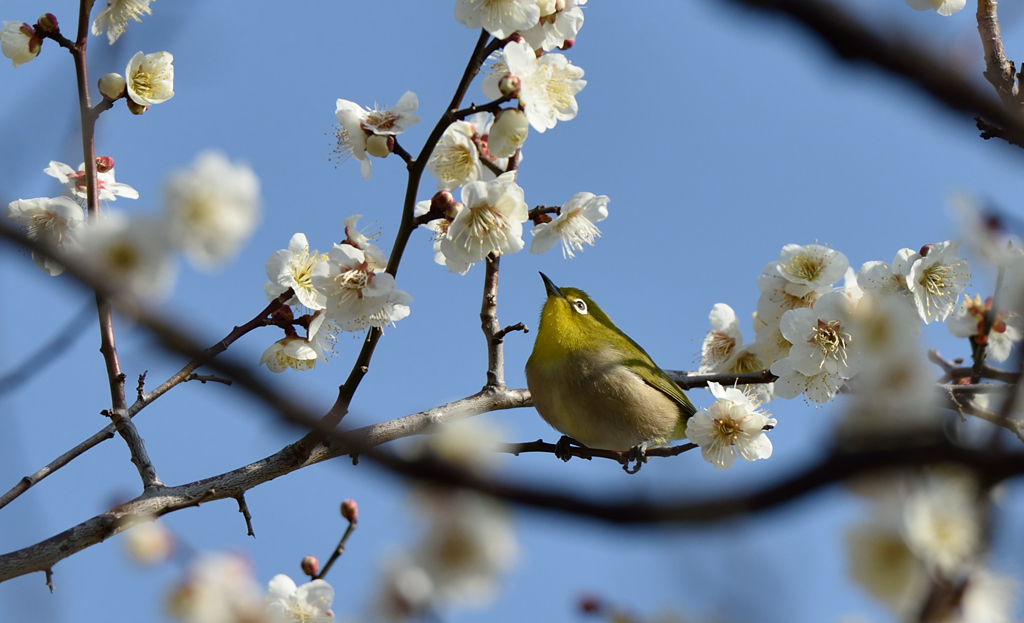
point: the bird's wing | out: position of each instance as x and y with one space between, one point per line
656 378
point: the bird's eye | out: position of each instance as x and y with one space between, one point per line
579 306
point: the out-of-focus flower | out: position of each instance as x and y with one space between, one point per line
574 225
988 598
722 341
470 542
406 590
556 25
936 280
19 42
114 17
491 222
295 268
501 18
218 588
212 206
968 320
880 561
52 221
942 7
469 444
109 188
309 603
548 85
149 543
731 426
150 78
942 523
134 254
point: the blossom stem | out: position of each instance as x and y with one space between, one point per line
490 325
338 551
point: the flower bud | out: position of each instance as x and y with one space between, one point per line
568 43
540 219
310 566
350 510
514 38
137 109
441 202
925 249
380 146
112 86
509 85
453 211
590 604
508 133
104 164
48 23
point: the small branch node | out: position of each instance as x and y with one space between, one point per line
49 578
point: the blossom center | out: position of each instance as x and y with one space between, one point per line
487 224
806 266
935 280
123 256
831 339
721 345
47 226
728 429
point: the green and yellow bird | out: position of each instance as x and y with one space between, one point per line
594 384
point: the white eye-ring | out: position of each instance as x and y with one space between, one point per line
579 306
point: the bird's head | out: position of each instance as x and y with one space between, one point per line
574 321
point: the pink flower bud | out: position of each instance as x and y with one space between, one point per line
590 604
441 202
925 249
310 566
450 214
568 43
350 510
104 164
540 219
509 85
48 23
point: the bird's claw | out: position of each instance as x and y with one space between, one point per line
638 455
563 449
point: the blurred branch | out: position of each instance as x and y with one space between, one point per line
924 68
48 353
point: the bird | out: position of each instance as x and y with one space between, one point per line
595 385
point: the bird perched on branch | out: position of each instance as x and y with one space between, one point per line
594 384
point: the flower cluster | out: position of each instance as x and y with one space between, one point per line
811 334
345 289
210 209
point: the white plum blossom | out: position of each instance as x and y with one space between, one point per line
556 25
986 232
295 268
51 221
309 603
357 295
818 388
548 85
722 341
968 320
406 590
771 344
389 121
212 207
810 268
882 563
469 543
491 222
455 160
732 426
291 352
880 279
439 228
150 78
821 337
352 137
218 588
114 17
574 225
501 18
942 7
109 188
469 444
775 299
375 258
19 43
134 254
508 133
937 279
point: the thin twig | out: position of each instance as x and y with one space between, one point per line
208 378
339 550
500 335
244 509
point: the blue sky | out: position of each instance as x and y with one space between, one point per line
719 136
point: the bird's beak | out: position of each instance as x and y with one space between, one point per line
551 287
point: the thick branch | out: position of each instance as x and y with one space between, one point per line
490 326
999 70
